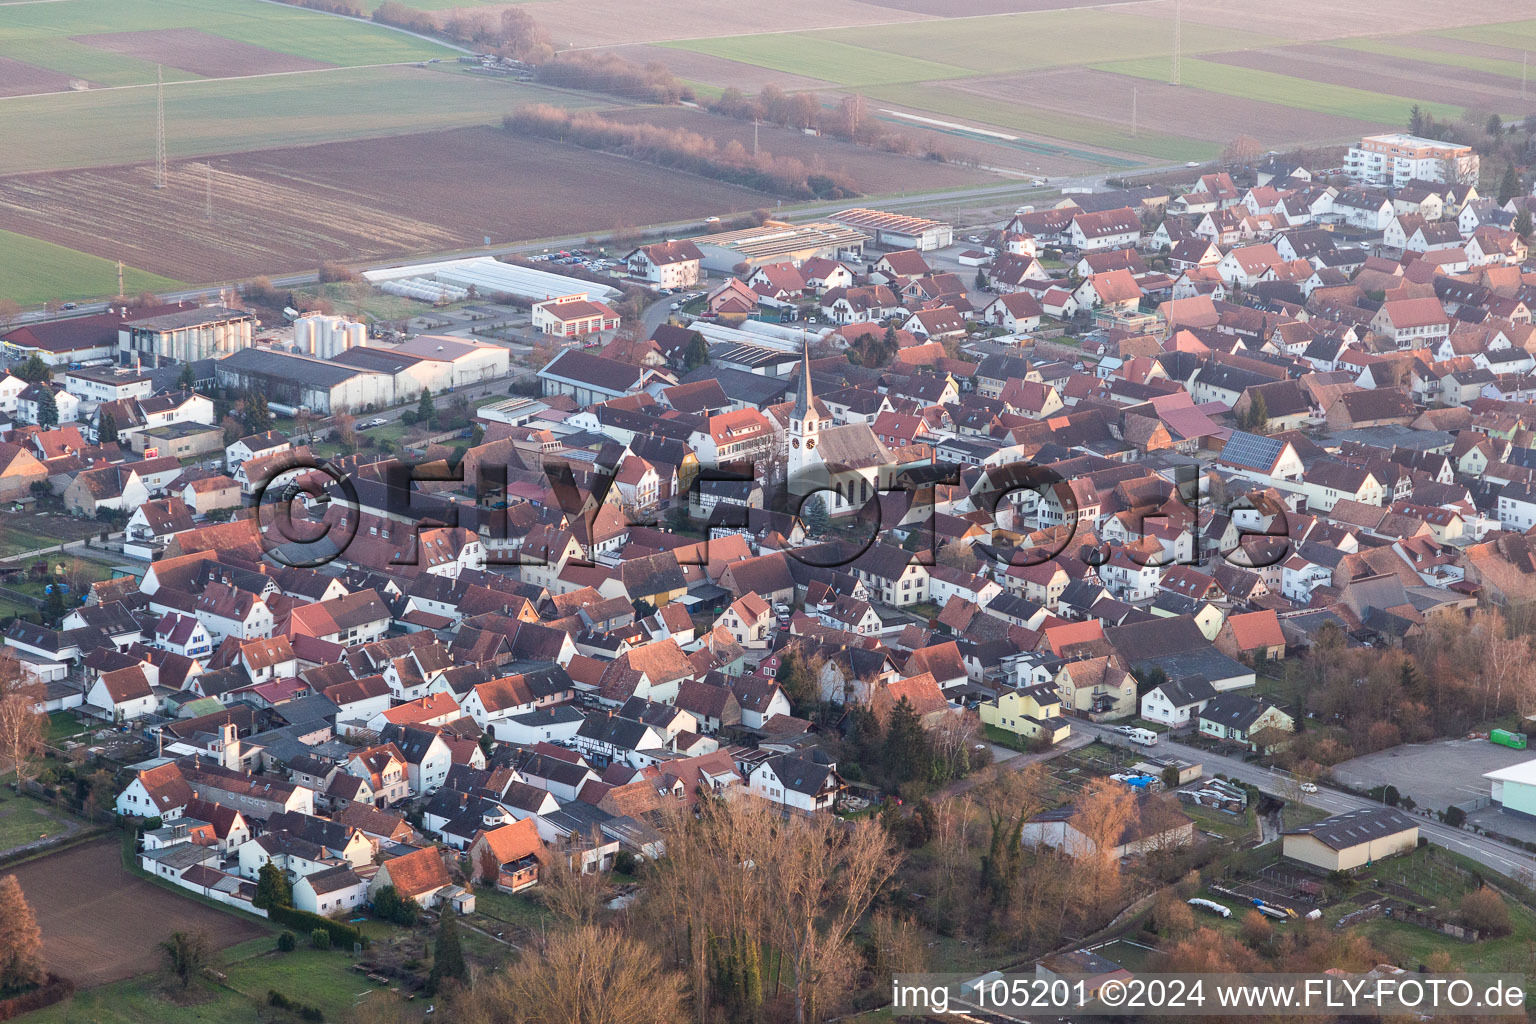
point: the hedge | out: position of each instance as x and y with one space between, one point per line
342 935
54 990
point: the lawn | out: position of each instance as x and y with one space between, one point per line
517 909
1043 39
1005 739
40 34
238 115
25 820
62 726
1050 124
1271 87
33 271
251 970
816 56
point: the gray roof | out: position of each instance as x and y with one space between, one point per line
315 372
1187 691
1234 711
1352 828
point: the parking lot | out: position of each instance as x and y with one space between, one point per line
1436 775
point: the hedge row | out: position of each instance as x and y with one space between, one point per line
342 935
54 990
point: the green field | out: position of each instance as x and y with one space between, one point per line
1271 87
1520 35
33 271
1491 65
40 34
817 56
1028 42
235 115
1049 124
929 51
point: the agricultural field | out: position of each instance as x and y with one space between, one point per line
100 923
285 210
1292 77
236 115
35 271
120 42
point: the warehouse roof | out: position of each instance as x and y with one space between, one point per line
1523 773
879 220
1352 828
319 372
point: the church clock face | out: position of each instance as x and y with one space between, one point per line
795 442
810 444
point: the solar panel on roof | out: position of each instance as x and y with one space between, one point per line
1252 451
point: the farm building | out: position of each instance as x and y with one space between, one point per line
185 336
1514 788
778 242
301 381
1352 839
898 231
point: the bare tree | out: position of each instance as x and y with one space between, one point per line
569 892
826 875
21 721
742 872
586 975
9 311
1244 150
1101 814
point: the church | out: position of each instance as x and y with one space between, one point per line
845 462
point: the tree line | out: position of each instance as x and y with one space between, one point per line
609 73
849 120
508 32
1457 675
680 150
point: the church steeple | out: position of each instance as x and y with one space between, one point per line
804 425
805 401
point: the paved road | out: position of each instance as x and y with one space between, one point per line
1496 855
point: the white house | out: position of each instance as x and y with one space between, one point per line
330 892
124 694
1176 703
796 783
668 264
